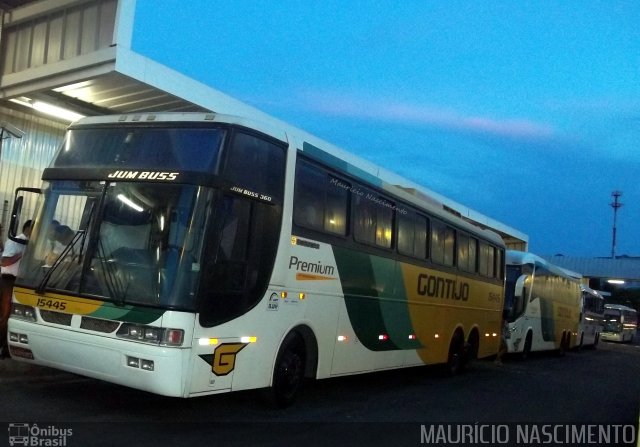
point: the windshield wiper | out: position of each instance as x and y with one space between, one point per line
110 277
59 260
81 234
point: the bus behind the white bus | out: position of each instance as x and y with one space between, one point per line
209 253
542 305
620 323
591 317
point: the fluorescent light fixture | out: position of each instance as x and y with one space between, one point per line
56 111
22 102
615 281
48 109
130 203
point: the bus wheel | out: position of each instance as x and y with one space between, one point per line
526 350
581 345
595 341
288 374
471 348
455 359
563 345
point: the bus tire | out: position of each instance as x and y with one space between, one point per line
563 345
288 372
455 358
526 350
581 345
595 341
471 348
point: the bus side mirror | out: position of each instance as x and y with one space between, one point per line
15 226
519 288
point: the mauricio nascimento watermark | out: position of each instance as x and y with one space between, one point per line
528 434
38 435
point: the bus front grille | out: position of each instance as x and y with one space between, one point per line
99 325
56 317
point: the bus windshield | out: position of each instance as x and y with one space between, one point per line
185 149
125 209
513 305
134 243
612 321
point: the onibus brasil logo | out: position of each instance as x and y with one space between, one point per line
33 435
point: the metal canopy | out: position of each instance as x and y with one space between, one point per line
63 52
117 93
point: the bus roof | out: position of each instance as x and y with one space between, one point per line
316 148
591 291
515 257
619 307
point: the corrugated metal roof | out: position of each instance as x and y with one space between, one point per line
117 93
622 268
64 53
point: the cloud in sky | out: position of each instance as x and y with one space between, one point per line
595 129
428 115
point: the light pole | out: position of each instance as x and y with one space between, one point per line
615 205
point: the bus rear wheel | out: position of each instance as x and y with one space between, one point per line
595 341
288 373
471 349
526 350
565 342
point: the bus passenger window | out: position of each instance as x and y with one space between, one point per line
373 220
309 197
463 252
384 227
449 246
365 221
337 205
473 254
321 202
486 266
406 235
438 236
420 249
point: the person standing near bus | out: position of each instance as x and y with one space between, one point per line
504 334
10 263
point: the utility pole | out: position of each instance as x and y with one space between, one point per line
615 205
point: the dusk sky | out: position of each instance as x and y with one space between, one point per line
527 112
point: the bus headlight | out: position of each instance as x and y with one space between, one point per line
151 334
23 312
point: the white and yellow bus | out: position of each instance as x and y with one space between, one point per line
542 305
620 323
212 254
591 317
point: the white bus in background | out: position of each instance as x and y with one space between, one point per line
542 305
591 317
620 323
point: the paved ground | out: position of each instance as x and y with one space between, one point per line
589 387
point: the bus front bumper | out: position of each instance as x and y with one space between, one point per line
147 367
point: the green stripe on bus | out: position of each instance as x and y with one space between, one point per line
395 307
128 313
361 290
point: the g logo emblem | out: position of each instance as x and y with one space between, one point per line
224 358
